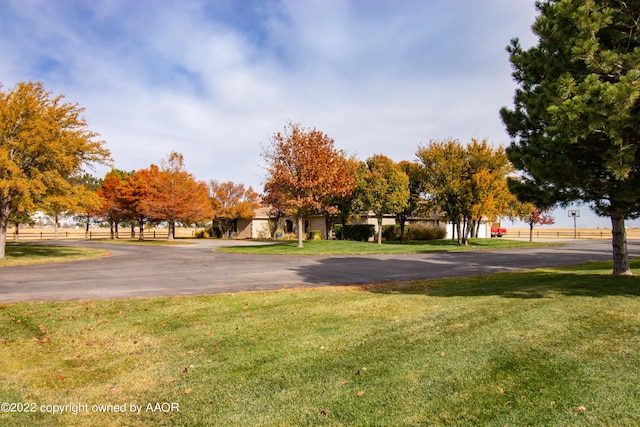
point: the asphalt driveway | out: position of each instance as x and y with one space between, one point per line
135 270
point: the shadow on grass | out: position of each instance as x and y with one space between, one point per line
475 274
526 285
29 250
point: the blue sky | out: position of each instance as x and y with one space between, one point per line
214 79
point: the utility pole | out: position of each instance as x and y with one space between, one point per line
575 214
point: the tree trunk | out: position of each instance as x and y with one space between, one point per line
531 231
112 233
300 244
116 226
4 220
56 224
379 230
133 230
141 234
620 253
403 220
16 235
170 235
327 225
3 240
463 233
86 229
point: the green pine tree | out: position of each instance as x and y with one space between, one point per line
575 125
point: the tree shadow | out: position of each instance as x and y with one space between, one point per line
469 275
38 250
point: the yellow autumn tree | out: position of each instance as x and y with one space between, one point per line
45 144
468 183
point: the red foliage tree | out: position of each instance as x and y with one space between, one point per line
304 169
173 195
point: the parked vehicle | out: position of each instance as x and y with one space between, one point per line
497 231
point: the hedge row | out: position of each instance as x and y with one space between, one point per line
358 232
413 232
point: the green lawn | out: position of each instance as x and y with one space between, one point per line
345 247
550 347
27 253
145 242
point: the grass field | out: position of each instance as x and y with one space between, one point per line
346 247
550 347
26 254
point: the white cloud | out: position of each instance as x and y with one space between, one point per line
214 80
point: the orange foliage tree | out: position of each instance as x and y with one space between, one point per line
173 195
231 202
303 170
111 193
133 196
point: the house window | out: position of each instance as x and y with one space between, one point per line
289 226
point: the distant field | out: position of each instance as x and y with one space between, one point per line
94 233
568 233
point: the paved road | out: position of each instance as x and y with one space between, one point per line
134 270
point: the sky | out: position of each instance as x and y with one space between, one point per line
215 79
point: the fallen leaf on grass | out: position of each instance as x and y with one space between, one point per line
324 412
581 409
60 378
360 393
442 353
172 380
187 391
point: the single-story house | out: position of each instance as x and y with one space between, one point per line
261 226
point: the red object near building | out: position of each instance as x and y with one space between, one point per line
497 231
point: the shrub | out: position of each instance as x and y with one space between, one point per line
337 231
423 232
315 235
391 232
358 232
201 234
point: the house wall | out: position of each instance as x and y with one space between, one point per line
258 228
483 232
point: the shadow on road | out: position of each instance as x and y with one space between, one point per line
413 277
